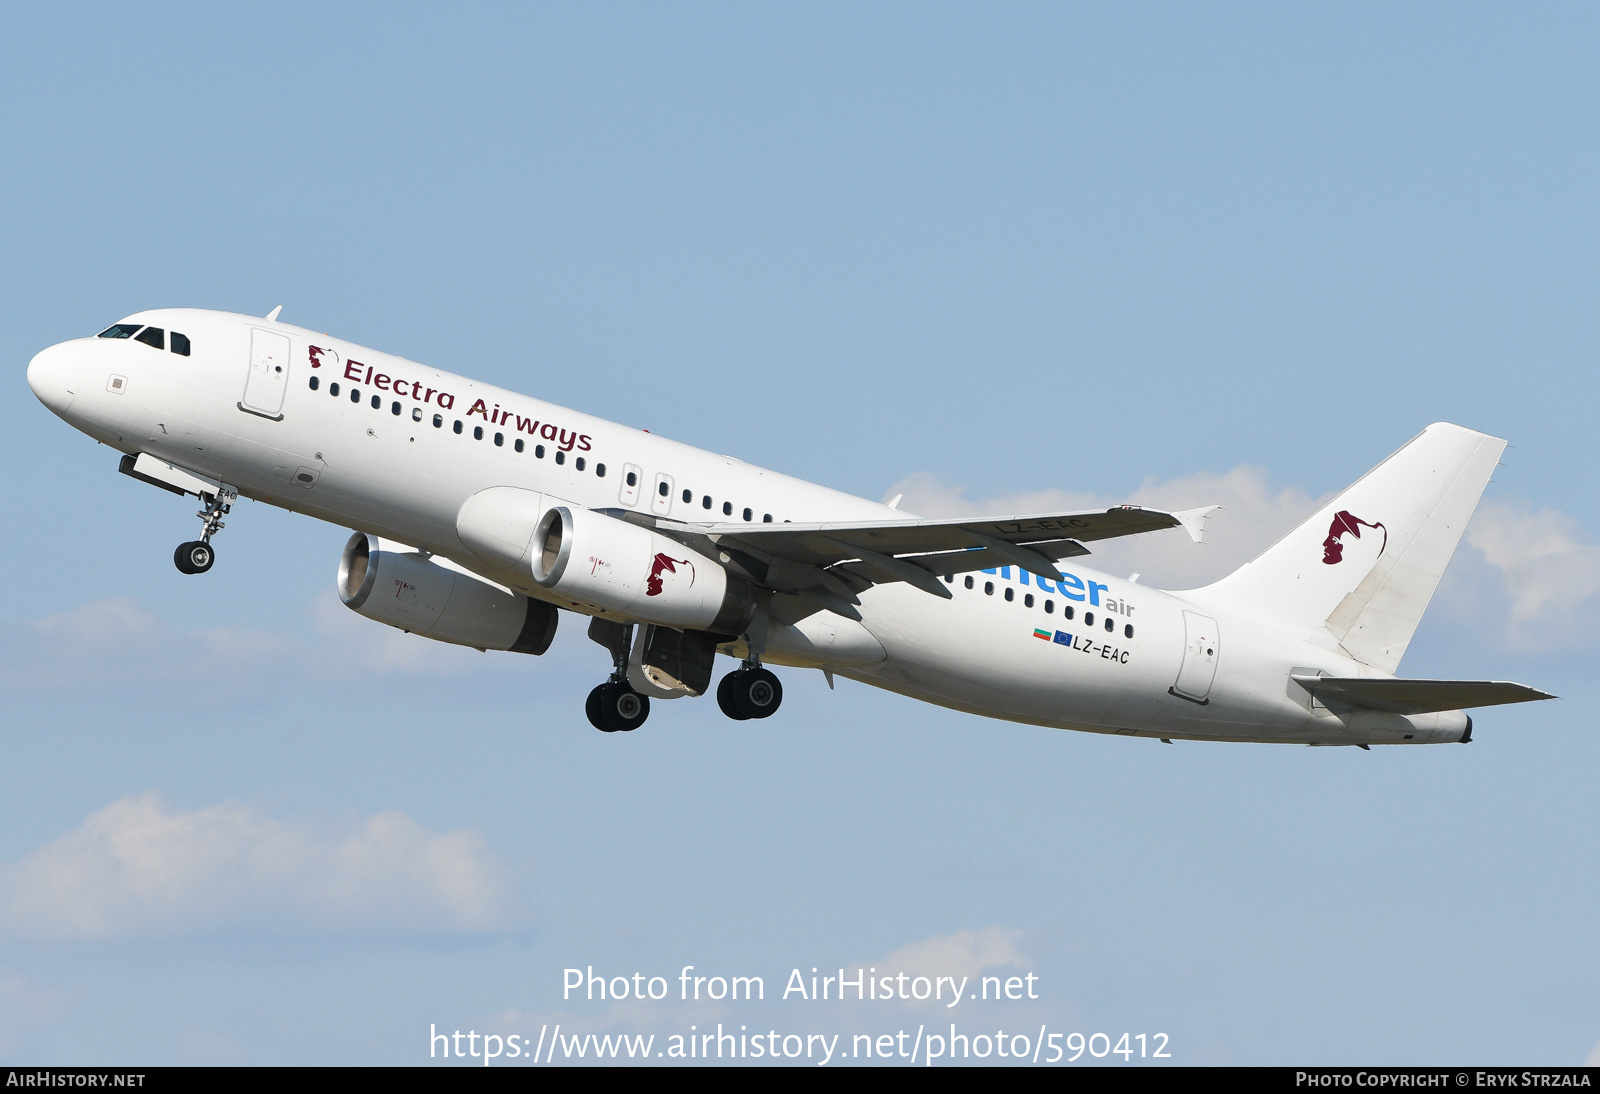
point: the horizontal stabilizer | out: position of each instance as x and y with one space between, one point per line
1415 696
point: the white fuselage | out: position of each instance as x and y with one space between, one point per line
385 456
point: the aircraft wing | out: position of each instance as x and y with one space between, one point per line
1416 696
835 561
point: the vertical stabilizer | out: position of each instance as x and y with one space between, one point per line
1363 569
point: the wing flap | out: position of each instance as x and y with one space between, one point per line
1416 696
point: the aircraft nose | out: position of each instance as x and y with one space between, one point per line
53 374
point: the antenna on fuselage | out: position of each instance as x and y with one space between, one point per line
272 316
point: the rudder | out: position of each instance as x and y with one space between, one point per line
1364 567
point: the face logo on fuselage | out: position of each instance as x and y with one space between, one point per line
652 585
316 354
1346 523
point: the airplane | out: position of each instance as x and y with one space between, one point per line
482 515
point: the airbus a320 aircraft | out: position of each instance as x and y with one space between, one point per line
482 514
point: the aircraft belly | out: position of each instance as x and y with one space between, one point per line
980 655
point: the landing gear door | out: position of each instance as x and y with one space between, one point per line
1200 651
268 377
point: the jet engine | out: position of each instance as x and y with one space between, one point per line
437 599
637 573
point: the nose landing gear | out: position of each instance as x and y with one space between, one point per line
196 556
749 692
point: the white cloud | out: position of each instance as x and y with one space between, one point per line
139 868
1548 567
1530 572
24 1008
120 645
969 952
117 643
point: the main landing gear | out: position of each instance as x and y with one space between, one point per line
749 692
196 556
614 707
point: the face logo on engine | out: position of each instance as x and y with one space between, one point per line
652 585
1343 524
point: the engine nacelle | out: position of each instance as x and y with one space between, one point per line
437 599
637 573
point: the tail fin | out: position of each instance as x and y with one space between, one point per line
1365 566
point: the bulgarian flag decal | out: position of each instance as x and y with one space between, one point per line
1037 633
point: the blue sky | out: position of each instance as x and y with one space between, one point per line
990 258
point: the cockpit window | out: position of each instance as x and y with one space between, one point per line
152 336
180 344
120 330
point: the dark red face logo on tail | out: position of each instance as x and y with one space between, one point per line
1346 523
652 585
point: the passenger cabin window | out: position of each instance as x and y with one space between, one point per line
120 330
664 488
688 496
561 455
599 470
727 508
180 344
633 480
748 515
705 502
578 463
154 337
477 432
518 445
